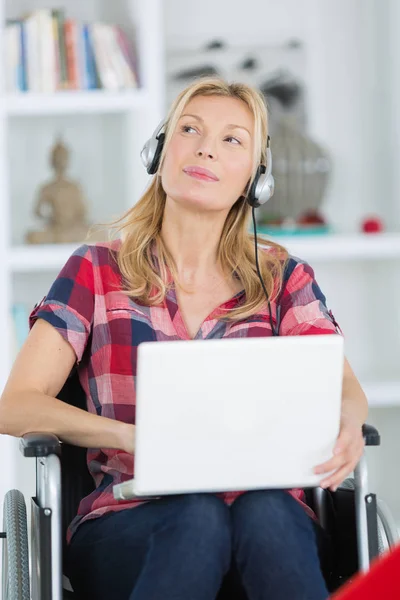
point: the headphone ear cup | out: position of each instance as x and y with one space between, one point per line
252 196
265 189
262 188
151 153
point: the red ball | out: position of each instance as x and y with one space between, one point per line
372 225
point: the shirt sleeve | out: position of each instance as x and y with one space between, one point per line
303 309
69 304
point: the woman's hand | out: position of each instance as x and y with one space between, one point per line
347 452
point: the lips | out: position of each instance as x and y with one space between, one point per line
200 173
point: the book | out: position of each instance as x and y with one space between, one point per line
13 76
82 58
129 54
71 45
47 52
128 78
59 25
32 35
107 75
93 77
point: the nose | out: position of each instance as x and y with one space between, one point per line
206 150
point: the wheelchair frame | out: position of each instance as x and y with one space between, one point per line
47 552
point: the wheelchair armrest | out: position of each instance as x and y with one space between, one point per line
39 444
371 435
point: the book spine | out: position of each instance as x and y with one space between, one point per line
106 74
130 78
41 50
82 58
62 50
72 58
24 74
129 53
54 20
13 59
32 53
19 61
114 54
47 52
90 60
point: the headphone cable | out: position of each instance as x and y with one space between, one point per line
274 332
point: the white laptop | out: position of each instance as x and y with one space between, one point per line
234 414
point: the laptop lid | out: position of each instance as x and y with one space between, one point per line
236 414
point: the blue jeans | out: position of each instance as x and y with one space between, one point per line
186 547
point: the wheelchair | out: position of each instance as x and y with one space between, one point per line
358 525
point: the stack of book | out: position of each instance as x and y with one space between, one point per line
46 52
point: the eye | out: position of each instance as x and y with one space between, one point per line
233 140
186 128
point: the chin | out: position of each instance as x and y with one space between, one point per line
197 201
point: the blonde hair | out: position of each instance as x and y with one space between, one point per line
140 226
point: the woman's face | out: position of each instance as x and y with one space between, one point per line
209 159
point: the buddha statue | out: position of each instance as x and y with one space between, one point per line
60 203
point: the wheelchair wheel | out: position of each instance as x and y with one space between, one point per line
15 584
388 534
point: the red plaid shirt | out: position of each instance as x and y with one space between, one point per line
104 326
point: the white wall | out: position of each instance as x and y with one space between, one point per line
340 41
353 52
267 19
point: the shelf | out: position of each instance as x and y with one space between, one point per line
46 257
333 247
339 247
96 101
382 394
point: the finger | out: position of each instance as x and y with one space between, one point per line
338 477
331 465
349 450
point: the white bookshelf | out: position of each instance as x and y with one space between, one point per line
108 125
382 394
39 258
343 247
28 104
329 248
33 117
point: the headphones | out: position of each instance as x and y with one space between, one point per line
261 190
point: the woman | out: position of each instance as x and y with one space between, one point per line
185 269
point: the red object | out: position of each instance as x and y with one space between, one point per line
372 225
311 217
382 581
